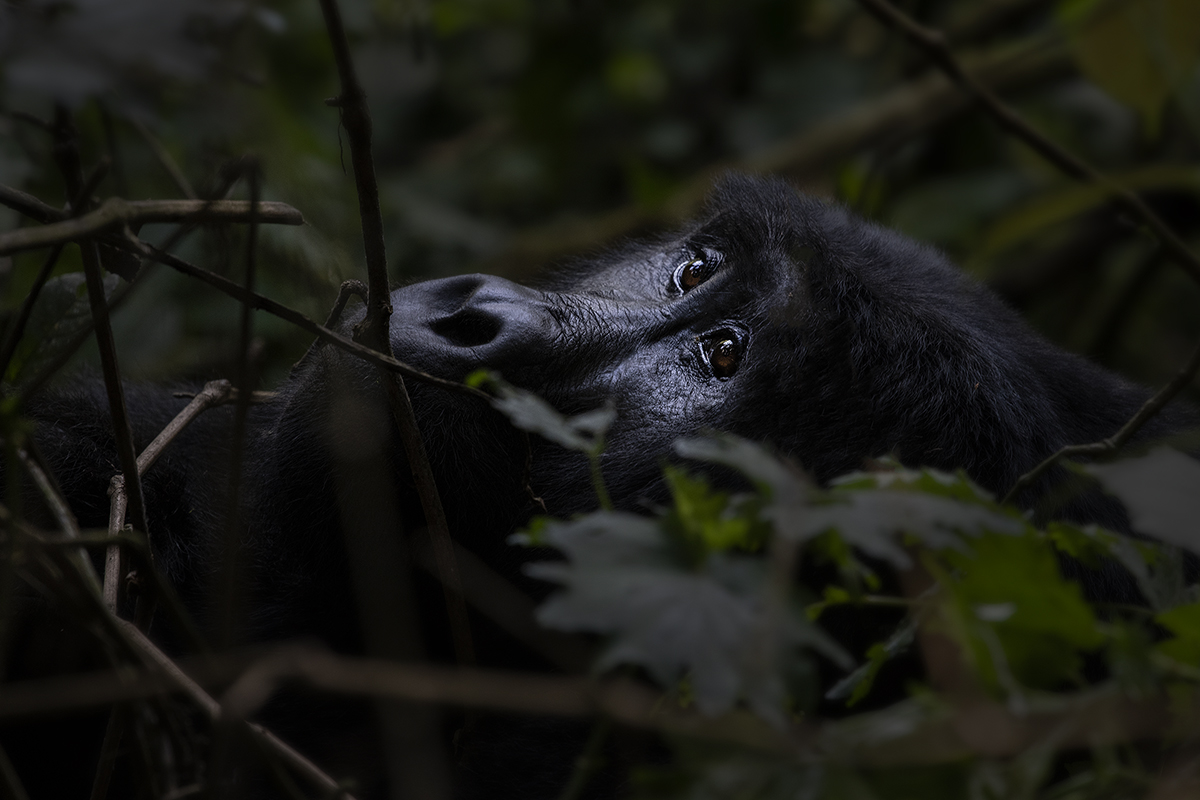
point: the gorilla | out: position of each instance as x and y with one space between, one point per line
778 317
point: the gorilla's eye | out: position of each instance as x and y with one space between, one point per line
723 351
693 272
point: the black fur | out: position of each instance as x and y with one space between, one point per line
857 343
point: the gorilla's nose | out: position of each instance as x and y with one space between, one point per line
471 321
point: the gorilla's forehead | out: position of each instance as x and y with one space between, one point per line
763 234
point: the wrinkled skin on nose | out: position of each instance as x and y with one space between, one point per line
453 326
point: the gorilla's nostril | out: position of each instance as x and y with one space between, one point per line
467 327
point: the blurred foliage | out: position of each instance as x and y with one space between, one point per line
719 623
494 118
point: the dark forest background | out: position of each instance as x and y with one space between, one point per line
512 134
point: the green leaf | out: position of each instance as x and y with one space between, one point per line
1139 51
1012 585
869 519
1161 490
583 433
1184 623
710 518
623 577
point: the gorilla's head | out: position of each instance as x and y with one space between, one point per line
775 316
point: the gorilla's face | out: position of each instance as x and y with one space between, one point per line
776 317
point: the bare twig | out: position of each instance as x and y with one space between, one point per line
29 205
352 109
214 393
1094 717
62 515
1113 443
212 709
375 329
119 296
261 303
67 153
347 290
231 566
933 43
116 212
14 332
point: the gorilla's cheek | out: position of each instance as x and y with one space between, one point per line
663 392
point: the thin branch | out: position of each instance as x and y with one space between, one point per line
231 567
119 296
352 110
214 393
261 303
212 709
1113 443
13 789
14 332
67 154
1096 716
375 328
116 212
933 43
30 206
348 289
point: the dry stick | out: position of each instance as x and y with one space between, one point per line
1093 717
375 330
1119 439
273 308
214 393
29 205
348 289
136 644
935 47
67 154
212 709
116 212
12 336
228 595
119 297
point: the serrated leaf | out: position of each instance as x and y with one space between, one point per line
869 520
624 578
583 433
1161 492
